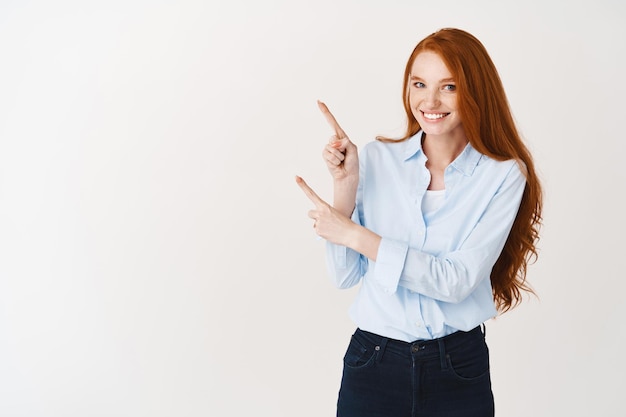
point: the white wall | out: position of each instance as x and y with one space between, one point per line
155 254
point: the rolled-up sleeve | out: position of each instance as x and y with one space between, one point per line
345 266
390 261
452 276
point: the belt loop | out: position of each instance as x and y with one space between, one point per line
381 349
442 354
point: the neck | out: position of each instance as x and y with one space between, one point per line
442 150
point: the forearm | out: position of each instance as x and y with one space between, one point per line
363 241
344 196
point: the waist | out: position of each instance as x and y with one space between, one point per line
450 342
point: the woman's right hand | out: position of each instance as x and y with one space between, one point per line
340 154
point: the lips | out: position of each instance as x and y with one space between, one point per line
434 116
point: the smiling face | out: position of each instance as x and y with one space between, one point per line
433 97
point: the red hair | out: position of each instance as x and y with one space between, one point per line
491 130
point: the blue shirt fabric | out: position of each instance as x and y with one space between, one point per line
432 273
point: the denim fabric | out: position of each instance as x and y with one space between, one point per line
446 377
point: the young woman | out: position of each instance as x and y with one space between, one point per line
438 228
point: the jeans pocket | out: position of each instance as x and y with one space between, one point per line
358 355
469 364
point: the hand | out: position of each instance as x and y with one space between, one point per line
340 154
328 222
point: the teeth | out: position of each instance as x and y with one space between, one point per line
434 116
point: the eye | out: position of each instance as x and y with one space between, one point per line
449 87
419 84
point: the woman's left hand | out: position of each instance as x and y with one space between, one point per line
329 223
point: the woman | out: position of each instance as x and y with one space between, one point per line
438 227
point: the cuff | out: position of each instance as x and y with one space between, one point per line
389 264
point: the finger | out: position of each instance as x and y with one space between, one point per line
310 193
334 141
331 120
332 161
331 153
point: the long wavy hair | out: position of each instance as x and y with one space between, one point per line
490 128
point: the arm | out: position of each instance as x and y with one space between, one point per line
452 276
342 161
334 223
347 263
346 257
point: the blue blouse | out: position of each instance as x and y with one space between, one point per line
431 277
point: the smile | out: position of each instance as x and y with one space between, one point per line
435 116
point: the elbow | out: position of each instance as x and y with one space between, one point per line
344 279
458 296
344 268
457 285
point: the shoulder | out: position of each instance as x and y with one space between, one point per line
398 150
381 155
377 146
506 171
506 166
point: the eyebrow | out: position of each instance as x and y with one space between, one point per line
445 80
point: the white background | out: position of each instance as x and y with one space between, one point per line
156 258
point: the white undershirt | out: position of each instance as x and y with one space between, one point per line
433 199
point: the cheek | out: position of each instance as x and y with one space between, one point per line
450 102
413 101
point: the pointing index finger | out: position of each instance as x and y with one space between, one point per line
310 193
331 120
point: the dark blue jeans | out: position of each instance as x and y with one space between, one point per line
446 377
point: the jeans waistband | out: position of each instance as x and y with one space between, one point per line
422 347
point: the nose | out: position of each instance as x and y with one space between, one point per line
432 97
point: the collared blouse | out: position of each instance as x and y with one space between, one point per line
432 273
